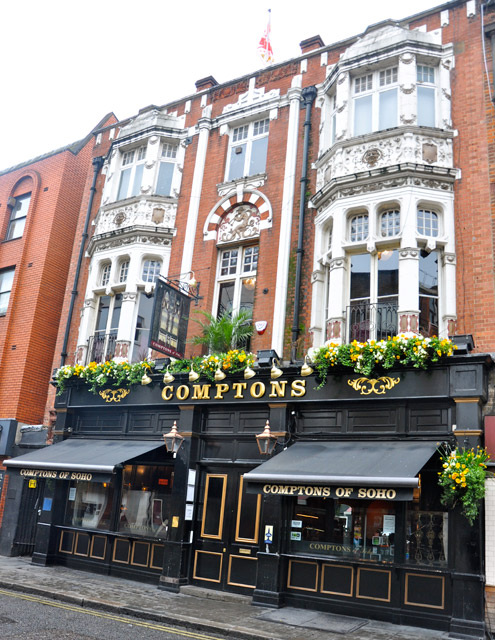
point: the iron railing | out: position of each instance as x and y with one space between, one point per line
101 347
367 321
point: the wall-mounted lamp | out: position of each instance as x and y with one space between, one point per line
266 440
193 376
275 371
145 379
173 440
219 374
306 370
168 377
249 373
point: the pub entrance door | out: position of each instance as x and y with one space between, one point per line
29 513
227 537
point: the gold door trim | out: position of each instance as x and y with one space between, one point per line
84 555
238 584
153 547
91 555
417 604
289 586
117 540
337 593
62 534
211 553
138 564
387 599
210 536
238 520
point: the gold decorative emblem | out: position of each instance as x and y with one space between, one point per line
114 395
373 385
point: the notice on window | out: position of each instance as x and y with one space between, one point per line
295 535
388 524
72 493
296 524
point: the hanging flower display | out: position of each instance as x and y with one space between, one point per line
111 373
463 478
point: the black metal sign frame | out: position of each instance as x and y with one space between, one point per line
170 319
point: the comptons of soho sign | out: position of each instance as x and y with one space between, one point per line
240 390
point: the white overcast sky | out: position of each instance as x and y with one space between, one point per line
65 65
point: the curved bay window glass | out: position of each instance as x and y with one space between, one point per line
146 491
102 343
428 293
89 505
353 529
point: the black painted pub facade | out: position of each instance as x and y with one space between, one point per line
344 516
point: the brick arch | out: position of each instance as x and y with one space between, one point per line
254 198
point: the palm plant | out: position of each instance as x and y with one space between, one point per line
228 331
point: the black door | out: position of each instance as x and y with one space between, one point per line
29 513
227 532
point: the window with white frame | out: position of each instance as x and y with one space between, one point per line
376 101
390 223
151 270
6 280
373 295
142 327
248 149
359 227
105 274
18 216
131 173
236 279
124 271
427 223
168 158
426 95
333 119
101 345
428 293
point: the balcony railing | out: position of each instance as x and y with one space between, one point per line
367 321
101 347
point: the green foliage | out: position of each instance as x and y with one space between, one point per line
463 478
228 331
234 361
104 374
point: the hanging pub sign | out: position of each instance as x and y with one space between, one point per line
170 319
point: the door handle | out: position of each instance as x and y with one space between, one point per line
39 512
224 550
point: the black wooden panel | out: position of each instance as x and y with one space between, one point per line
373 420
142 423
219 421
66 542
373 584
425 591
157 553
108 422
121 551
247 450
337 579
302 575
252 421
208 566
242 571
218 449
320 421
82 544
98 547
140 553
165 420
424 420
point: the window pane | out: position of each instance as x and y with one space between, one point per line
138 179
359 228
6 280
146 493
226 298
125 177
426 106
237 161
390 223
143 324
425 74
102 315
247 515
18 217
428 273
89 505
151 269
117 306
213 506
360 276
387 117
388 273
247 294
164 182
427 223
124 271
250 262
4 302
362 115
258 156
229 263
16 229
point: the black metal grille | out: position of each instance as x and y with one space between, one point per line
372 321
101 347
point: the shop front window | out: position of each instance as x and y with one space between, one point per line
353 529
146 491
89 505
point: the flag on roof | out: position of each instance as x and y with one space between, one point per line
265 46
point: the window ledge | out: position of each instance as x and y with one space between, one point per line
241 184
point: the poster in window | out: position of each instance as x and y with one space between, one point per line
170 320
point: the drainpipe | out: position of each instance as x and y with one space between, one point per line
308 96
97 165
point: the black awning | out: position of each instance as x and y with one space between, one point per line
80 455
351 464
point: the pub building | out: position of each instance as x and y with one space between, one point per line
344 515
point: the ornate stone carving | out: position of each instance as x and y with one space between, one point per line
252 96
120 218
114 395
337 263
342 106
410 120
406 58
342 78
446 94
129 296
407 90
242 223
133 238
111 218
245 184
408 253
371 156
430 152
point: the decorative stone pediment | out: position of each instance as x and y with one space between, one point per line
142 212
242 223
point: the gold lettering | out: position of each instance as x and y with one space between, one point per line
298 388
257 389
381 493
182 392
391 494
266 488
221 389
362 493
201 392
317 491
239 387
167 392
278 388
326 492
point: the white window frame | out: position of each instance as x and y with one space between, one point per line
168 158
361 221
389 223
246 135
105 274
6 283
245 270
108 333
131 170
425 78
124 271
428 228
18 216
151 268
372 87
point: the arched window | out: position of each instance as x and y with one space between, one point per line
359 228
427 223
124 271
390 223
151 269
105 274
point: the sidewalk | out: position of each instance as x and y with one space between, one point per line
201 609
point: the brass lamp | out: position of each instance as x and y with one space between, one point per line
193 376
306 370
168 377
173 440
219 374
249 373
275 372
266 441
145 379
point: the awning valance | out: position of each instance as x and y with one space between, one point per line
363 466
79 456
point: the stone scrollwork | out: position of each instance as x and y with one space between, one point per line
407 90
114 395
140 213
242 223
378 386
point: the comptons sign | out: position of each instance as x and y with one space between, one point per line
360 493
236 390
56 475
